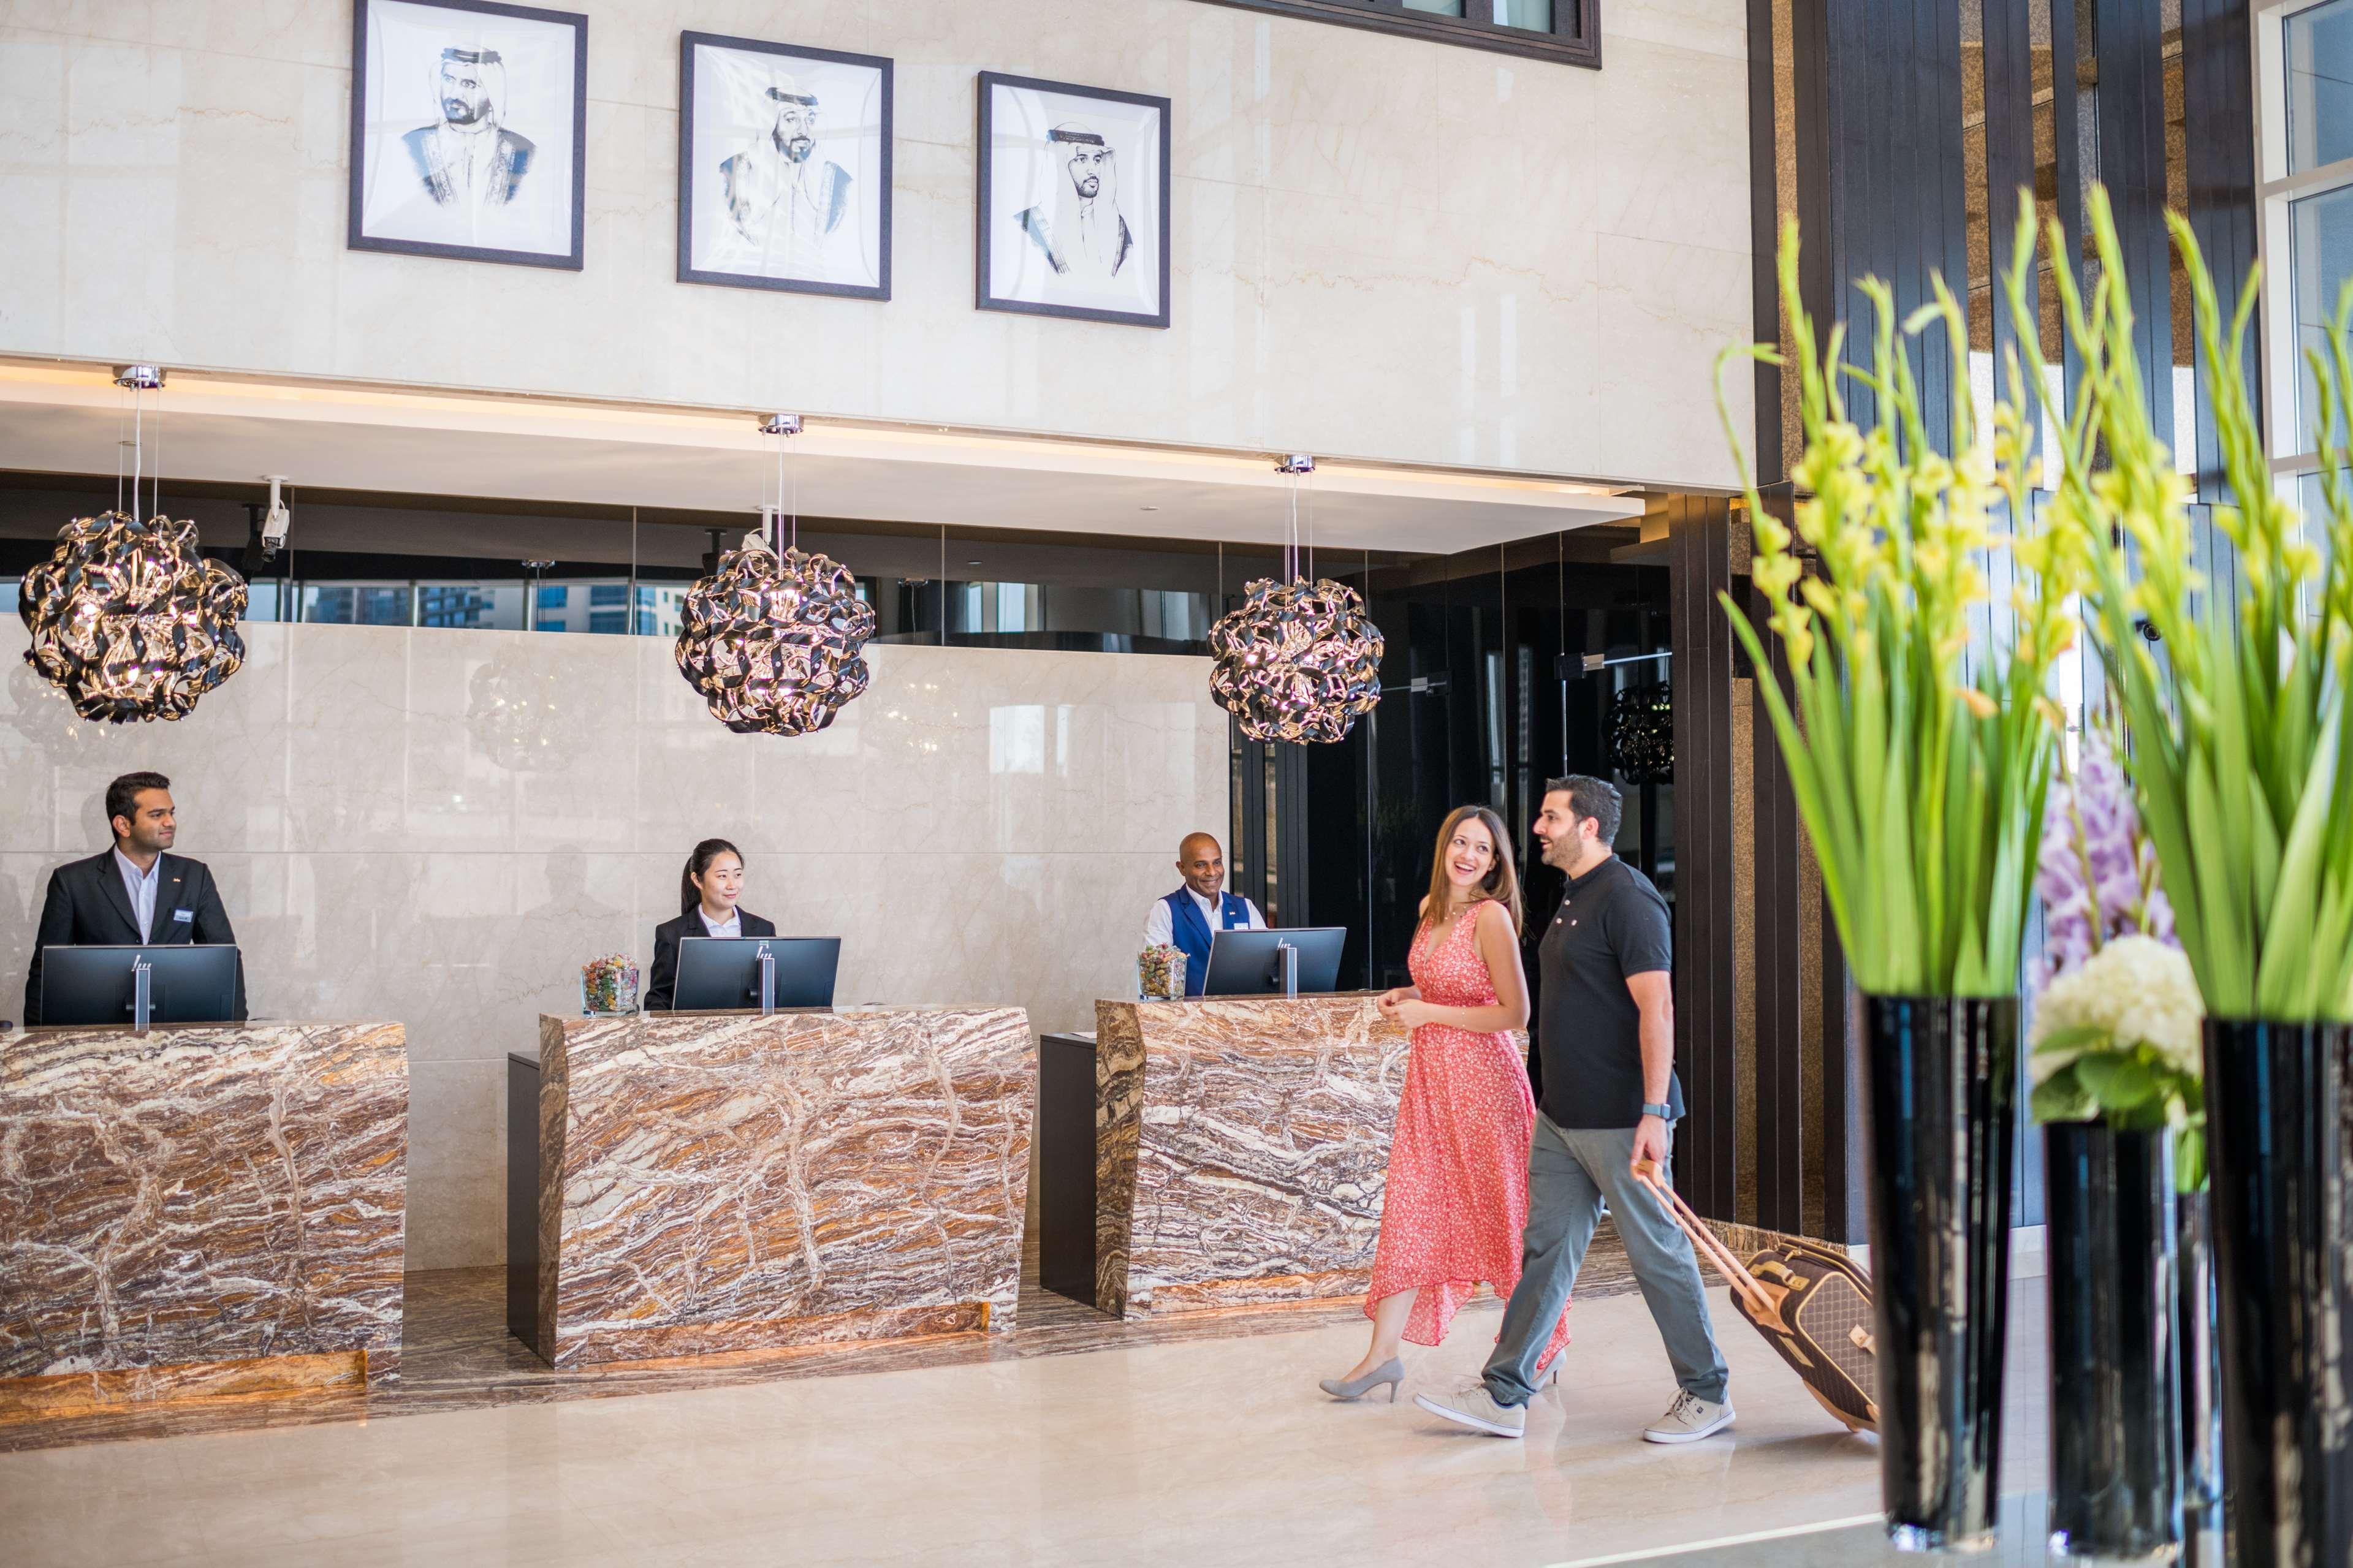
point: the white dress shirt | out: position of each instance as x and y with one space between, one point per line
141 885
732 926
1159 926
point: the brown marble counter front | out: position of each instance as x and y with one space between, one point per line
717 1182
202 1209
1241 1145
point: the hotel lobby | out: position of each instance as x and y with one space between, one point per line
1216 782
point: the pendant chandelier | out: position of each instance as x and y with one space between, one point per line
773 639
127 618
1298 661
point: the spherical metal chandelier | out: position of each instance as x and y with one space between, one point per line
773 639
1299 661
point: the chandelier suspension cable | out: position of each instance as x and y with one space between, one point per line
121 417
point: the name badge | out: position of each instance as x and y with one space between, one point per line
183 916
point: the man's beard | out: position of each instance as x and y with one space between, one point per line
1089 187
796 149
458 112
1560 853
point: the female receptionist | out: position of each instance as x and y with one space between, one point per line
707 891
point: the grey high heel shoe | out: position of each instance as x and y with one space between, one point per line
1391 1371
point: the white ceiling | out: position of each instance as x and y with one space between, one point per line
59 418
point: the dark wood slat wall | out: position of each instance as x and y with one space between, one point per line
1707 1159
2129 48
2009 163
2216 90
1874 125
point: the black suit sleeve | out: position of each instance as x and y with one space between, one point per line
56 930
212 926
663 981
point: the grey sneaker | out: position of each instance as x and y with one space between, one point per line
1475 1407
1689 1420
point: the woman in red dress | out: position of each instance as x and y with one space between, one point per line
1457 1198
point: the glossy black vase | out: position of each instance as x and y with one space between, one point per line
2280 1138
1943 1115
2116 1412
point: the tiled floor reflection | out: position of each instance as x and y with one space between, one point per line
1053 1445
2022 1541
456 1354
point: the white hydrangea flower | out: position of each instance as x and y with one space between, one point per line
2136 989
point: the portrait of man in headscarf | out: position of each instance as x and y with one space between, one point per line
467 159
782 195
1085 238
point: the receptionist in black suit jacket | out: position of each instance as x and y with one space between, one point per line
133 895
707 892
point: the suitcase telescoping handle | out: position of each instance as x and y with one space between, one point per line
1764 1303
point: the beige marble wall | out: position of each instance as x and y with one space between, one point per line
982 827
1383 247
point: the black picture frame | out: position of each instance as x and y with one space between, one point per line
357 238
984 200
686 271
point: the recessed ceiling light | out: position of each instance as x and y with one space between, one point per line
972 562
1147 508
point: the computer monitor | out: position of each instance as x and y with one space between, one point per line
1246 962
185 985
721 973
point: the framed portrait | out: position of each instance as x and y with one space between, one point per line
469 129
1073 210
783 167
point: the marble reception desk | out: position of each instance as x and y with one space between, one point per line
199 1210
1239 1150
691 1183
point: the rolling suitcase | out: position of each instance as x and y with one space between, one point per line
1811 1304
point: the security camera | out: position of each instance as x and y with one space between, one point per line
275 521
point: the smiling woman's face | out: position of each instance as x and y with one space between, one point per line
1470 853
721 882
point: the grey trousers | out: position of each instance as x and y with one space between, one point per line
1570 1172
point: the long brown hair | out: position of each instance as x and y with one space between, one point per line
1501 882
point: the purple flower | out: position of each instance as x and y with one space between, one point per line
2095 871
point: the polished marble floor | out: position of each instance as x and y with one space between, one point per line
1211 1448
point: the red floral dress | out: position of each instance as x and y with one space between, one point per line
1458 1185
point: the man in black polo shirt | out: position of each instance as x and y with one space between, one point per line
1607 1038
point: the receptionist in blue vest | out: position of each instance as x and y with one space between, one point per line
1185 917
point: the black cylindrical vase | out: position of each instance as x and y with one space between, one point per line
1943 1113
2280 1136
2116 1470
2198 1378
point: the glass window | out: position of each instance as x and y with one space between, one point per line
2322 231
356 605
604 594
2320 85
1533 13
474 607
609 621
1566 27
554 597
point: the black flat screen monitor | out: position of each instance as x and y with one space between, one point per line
722 973
185 985
1244 963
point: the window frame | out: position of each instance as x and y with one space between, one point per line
1576 37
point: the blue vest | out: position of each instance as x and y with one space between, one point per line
1191 933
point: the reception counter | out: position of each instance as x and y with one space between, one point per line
1216 1153
199 1210
693 1184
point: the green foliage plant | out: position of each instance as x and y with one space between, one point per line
2237 714
1919 772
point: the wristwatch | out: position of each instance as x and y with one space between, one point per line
1663 1112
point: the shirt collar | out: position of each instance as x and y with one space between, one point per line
129 868
1578 884
734 918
